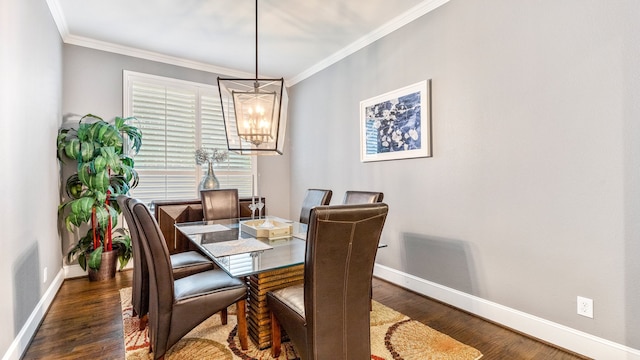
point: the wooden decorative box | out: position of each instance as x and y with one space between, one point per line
258 229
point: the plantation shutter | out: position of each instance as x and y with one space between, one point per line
176 118
234 170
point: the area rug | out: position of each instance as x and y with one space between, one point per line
393 336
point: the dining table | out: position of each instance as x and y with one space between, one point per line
268 252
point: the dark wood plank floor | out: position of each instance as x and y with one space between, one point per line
84 322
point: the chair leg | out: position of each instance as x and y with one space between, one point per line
275 337
223 316
143 322
242 324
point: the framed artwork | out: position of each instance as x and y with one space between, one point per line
397 124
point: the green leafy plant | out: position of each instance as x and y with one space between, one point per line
104 171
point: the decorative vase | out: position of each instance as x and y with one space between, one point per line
210 180
107 268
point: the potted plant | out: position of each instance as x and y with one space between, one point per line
104 171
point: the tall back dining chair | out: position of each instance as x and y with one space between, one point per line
313 197
183 264
220 204
140 285
177 306
328 316
362 197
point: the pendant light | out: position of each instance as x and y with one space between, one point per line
254 112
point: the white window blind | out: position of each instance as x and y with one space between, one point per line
176 118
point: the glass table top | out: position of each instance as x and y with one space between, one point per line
243 247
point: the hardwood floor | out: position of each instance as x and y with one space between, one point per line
84 322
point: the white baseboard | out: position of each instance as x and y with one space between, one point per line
560 335
74 271
21 342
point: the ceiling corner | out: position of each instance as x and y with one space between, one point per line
58 18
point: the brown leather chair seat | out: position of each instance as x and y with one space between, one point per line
189 263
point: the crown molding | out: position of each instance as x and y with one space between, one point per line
58 18
150 55
387 28
68 38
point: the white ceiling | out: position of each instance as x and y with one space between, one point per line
296 37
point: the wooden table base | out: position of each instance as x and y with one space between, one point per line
259 322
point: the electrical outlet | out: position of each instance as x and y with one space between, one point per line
44 275
585 307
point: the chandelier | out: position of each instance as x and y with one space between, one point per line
254 112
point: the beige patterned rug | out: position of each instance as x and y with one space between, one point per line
393 336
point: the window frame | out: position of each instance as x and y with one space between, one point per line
200 89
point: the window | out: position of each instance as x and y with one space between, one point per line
177 117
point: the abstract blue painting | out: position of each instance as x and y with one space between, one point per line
396 125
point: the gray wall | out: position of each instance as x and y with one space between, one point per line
30 102
93 79
532 197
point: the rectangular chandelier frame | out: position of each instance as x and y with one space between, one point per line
246 133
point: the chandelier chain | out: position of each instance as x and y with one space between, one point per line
256 40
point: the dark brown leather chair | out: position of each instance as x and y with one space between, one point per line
313 197
362 197
177 306
220 204
183 264
327 317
